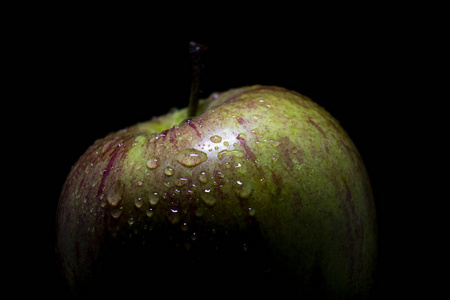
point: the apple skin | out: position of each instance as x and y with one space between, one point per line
263 184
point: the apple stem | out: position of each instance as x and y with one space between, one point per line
195 51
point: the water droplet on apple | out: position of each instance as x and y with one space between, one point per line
251 211
174 216
236 153
88 168
115 193
241 136
130 221
184 227
191 157
181 182
169 171
216 138
116 212
226 144
240 120
208 198
152 163
154 198
244 190
150 212
274 143
77 193
138 202
203 178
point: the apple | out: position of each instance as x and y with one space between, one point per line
262 191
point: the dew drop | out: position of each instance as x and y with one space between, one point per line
191 157
169 171
88 168
208 198
138 202
174 216
181 182
226 144
115 193
244 190
216 138
154 198
116 212
203 178
274 143
150 212
130 221
77 193
184 227
251 211
236 153
152 163
241 136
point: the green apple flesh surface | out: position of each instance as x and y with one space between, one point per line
262 189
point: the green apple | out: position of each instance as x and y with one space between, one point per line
261 190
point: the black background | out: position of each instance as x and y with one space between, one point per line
89 74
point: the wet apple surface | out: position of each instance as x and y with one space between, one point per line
262 187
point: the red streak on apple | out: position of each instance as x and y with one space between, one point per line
317 126
194 127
